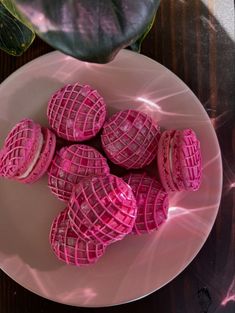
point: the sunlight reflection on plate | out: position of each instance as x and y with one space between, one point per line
135 266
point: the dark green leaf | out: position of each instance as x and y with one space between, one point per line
136 46
10 5
15 37
90 30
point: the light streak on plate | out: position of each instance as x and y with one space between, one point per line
230 296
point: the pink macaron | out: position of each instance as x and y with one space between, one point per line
152 202
130 139
70 165
27 152
102 209
76 112
68 247
179 160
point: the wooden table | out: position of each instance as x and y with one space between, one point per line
194 39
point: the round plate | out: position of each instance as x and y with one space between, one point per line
135 266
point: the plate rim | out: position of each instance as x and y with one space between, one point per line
124 51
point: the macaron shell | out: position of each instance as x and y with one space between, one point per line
70 165
76 112
20 148
68 247
187 165
1 155
45 157
163 160
102 209
130 139
152 202
160 215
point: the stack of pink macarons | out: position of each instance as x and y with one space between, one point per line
101 208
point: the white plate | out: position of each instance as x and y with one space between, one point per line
135 266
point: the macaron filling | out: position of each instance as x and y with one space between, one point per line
170 155
35 159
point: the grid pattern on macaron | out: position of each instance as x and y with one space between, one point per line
102 209
68 247
70 165
151 200
187 167
47 153
130 139
76 112
19 148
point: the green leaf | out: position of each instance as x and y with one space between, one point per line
10 6
136 46
15 37
90 30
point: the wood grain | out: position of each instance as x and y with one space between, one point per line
191 42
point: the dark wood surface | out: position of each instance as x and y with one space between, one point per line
195 40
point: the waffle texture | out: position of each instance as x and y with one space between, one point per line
68 247
27 152
76 112
152 202
103 209
70 165
19 148
130 139
179 160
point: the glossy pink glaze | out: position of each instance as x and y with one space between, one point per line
130 139
152 202
68 247
70 165
102 208
76 112
19 148
179 160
